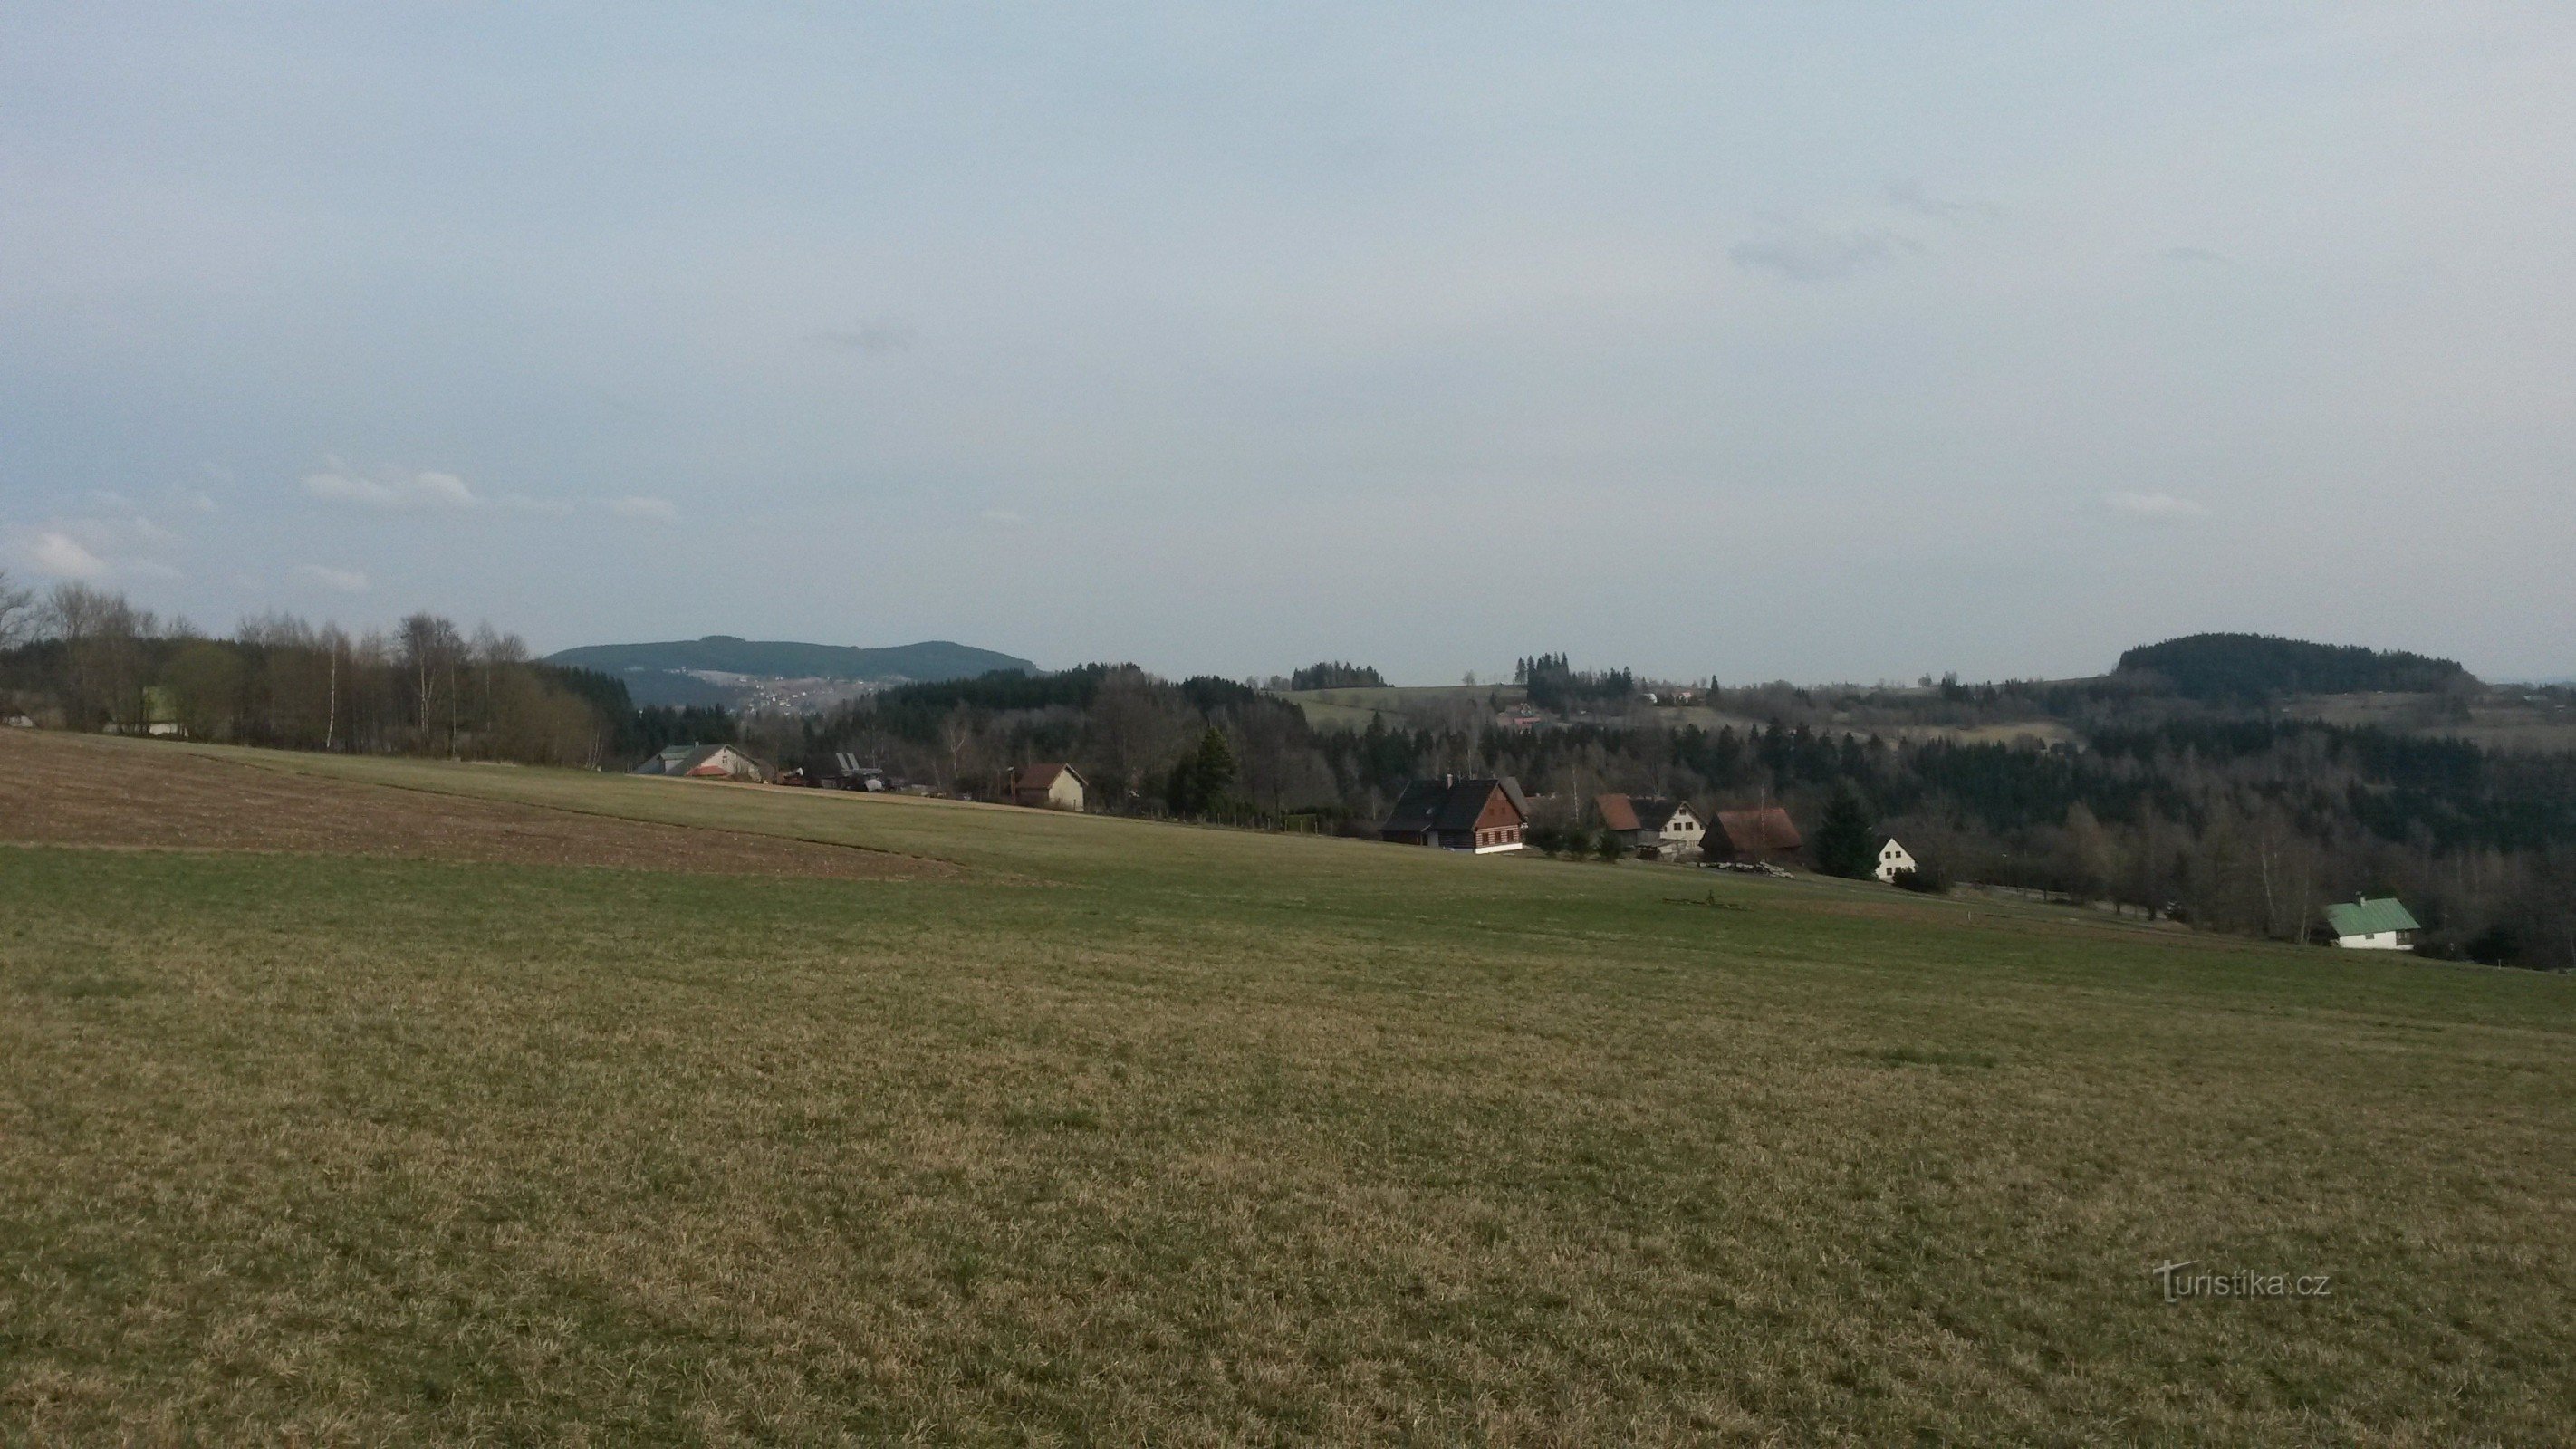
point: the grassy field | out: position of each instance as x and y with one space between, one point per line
1042 1129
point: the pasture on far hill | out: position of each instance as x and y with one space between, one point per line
378 1100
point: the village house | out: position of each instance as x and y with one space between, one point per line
704 762
1045 787
1479 814
2372 925
1652 829
1753 837
1893 860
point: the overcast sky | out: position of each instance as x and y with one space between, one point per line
1819 341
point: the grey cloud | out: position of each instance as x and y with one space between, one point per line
2196 256
1910 196
1808 254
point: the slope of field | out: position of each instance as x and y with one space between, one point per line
1137 1133
58 789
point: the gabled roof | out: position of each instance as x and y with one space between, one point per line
2367 917
1638 812
1451 804
1753 832
1042 777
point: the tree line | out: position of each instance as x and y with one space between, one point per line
85 658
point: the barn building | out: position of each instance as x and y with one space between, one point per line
1753 837
1481 814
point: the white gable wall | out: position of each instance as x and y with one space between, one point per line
1893 861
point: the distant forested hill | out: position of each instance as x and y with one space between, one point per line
784 659
2260 666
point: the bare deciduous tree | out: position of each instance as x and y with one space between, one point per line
17 612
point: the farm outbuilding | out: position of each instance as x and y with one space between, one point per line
1753 837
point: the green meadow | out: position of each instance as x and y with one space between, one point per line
1140 1133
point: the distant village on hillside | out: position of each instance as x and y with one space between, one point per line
2239 783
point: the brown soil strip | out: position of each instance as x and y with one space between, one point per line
78 790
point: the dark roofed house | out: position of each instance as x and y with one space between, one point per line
1480 814
1654 829
1754 837
1044 787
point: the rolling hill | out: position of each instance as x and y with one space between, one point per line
786 659
675 672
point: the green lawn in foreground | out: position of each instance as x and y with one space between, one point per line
1153 1133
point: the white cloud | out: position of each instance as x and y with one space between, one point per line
1006 517
423 489
2156 507
661 509
63 557
347 581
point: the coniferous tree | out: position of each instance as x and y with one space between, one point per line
1211 771
1843 840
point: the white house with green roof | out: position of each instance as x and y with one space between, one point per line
2372 925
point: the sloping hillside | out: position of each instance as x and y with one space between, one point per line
1130 1132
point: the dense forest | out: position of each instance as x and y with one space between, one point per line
2183 805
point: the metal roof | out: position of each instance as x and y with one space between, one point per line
2367 917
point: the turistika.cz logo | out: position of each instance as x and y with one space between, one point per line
2180 1284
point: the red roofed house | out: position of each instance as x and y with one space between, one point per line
1755 837
1654 829
1044 787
